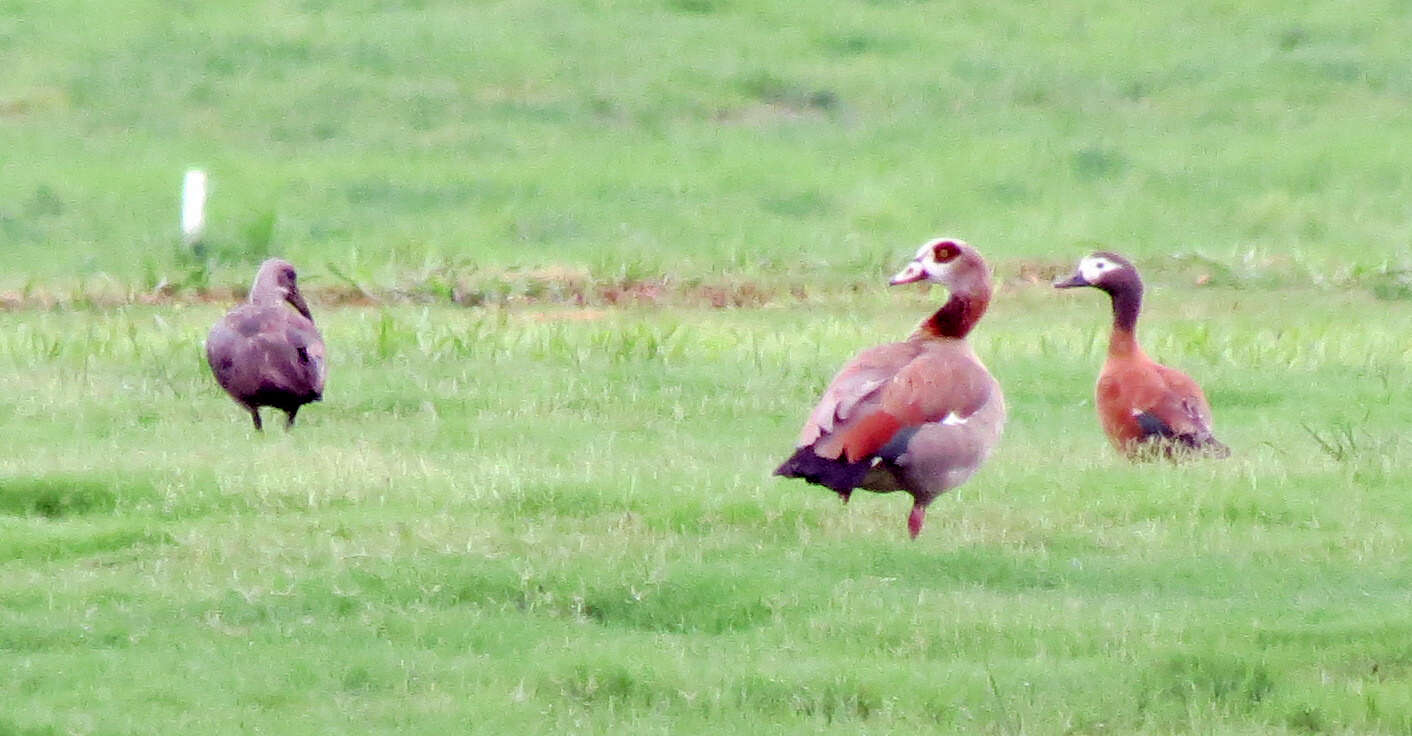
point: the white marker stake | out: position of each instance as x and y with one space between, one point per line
193 206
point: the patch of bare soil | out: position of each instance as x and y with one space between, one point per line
551 286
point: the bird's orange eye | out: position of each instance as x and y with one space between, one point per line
945 251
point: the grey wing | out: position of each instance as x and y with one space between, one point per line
291 358
223 349
1203 440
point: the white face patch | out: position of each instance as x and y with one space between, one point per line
926 256
952 419
1092 268
936 271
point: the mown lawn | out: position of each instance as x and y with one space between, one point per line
562 520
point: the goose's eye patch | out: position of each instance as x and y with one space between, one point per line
945 251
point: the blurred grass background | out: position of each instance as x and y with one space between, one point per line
700 137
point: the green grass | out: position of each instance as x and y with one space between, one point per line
696 137
512 513
512 518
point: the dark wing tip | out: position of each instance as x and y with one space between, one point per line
1157 433
1152 426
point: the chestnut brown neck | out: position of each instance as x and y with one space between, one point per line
961 311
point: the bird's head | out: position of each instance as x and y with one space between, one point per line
946 261
1109 272
277 282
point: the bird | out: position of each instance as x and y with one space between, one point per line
265 354
918 416
1147 409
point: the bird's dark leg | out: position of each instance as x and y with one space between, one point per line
289 424
255 414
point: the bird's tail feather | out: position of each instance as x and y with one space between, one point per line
837 474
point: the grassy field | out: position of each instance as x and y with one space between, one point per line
518 519
695 137
583 267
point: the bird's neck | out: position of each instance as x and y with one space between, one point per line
1127 303
265 294
960 313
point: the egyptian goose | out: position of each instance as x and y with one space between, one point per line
918 416
1146 408
262 353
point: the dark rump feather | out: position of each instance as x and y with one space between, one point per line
839 475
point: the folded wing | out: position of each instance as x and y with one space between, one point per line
876 404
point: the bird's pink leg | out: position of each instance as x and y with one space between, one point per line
915 519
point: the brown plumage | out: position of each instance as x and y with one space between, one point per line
264 354
1146 408
918 416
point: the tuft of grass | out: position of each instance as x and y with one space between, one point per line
63 495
